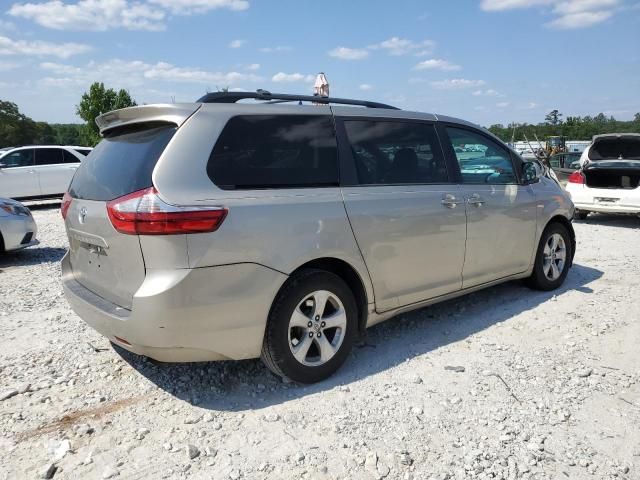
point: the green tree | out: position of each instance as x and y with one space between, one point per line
553 118
95 102
15 127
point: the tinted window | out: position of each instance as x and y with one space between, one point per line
265 151
70 157
21 158
120 164
390 152
48 156
83 151
481 160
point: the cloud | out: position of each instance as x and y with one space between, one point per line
457 84
252 67
137 73
91 15
345 53
6 66
103 15
365 87
531 105
402 46
282 77
278 49
437 64
568 14
502 104
497 5
236 43
169 72
579 20
189 7
487 93
40 49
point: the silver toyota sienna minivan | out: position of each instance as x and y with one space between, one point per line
241 226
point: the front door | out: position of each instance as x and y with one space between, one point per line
18 176
406 214
501 213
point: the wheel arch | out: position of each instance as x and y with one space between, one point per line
350 276
565 222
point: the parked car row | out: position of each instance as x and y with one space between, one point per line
27 173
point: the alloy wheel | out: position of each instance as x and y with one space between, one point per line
317 328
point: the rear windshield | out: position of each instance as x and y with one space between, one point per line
267 151
120 164
615 149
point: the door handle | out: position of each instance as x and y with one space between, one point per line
450 201
475 200
31 171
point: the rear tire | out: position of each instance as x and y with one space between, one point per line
553 258
311 327
581 214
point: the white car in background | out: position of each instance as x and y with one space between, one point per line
17 227
608 180
38 171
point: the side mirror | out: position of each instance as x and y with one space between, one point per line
532 172
3 165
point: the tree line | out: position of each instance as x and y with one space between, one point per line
18 129
574 128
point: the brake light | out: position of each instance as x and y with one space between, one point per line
576 177
66 203
144 213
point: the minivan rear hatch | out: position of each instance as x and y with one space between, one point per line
109 263
614 162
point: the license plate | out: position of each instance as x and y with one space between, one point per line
606 200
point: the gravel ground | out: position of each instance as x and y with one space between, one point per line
506 383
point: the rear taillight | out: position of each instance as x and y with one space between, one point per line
66 203
144 213
576 177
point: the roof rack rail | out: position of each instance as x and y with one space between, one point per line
233 97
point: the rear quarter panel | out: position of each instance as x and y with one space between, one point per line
279 228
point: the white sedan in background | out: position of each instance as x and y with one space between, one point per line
17 227
41 171
609 178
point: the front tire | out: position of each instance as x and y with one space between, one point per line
311 327
553 258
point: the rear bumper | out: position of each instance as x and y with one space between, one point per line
587 199
185 315
600 208
15 231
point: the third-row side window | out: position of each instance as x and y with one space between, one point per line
396 152
275 151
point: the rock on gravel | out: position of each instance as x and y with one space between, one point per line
192 451
6 394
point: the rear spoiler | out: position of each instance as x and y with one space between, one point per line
175 113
